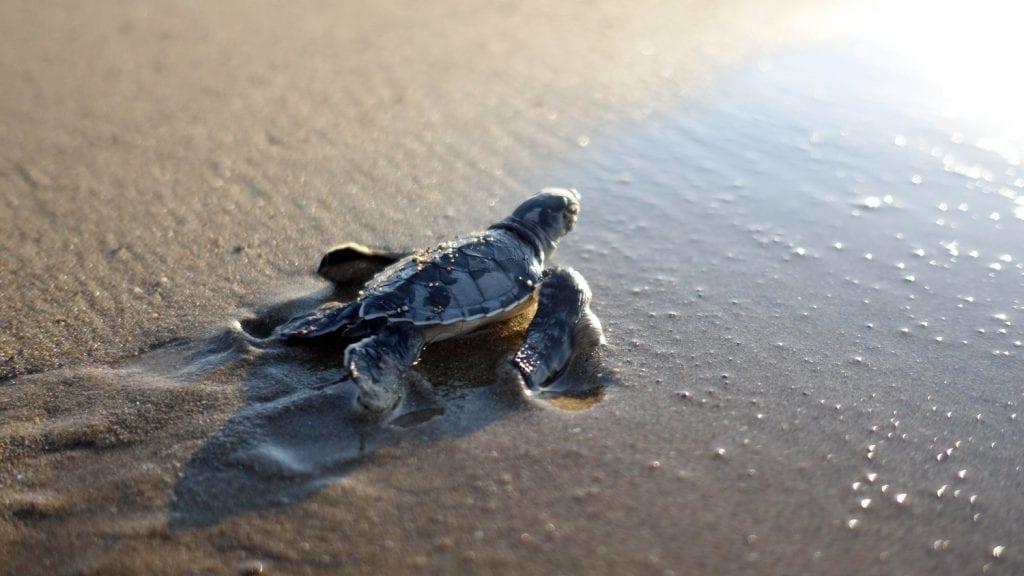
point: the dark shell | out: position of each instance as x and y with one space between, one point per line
469 278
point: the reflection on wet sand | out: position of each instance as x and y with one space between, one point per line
300 427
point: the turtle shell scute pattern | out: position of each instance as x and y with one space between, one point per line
472 277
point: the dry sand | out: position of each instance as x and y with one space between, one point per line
170 170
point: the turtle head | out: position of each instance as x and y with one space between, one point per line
545 217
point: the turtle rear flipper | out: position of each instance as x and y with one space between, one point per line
562 327
377 364
353 263
326 319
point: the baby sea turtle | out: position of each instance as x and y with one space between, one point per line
455 288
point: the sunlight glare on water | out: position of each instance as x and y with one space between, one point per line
971 51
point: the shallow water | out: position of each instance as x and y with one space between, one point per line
818 272
810 284
827 199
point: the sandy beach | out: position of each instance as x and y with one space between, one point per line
807 273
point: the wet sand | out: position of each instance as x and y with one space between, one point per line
774 400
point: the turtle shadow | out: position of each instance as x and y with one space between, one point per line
300 428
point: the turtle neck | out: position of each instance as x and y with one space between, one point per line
530 234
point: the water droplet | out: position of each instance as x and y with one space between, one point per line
901 498
852 523
997 551
872 476
872 202
916 179
941 491
962 474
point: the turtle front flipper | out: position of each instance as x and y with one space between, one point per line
377 364
563 326
353 263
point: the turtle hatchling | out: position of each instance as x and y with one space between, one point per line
454 289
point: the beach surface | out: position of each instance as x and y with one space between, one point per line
807 268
